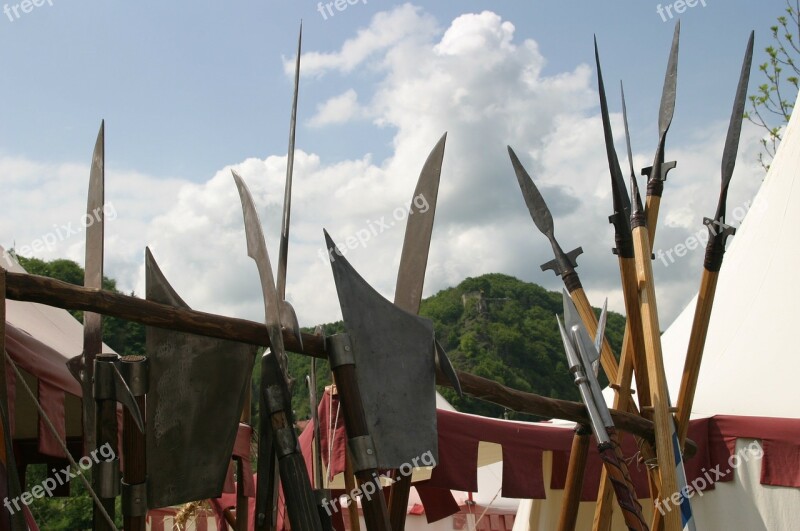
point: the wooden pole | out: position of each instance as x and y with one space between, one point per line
242 501
350 485
659 395
133 450
52 292
574 485
694 353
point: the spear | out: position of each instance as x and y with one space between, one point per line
267 499
669 458
632 355
657 173
564 264
581 355
718 233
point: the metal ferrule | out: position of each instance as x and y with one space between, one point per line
134 499
104 379
622 235
274 397
340 351
135 370
108 478
655 184
718 233
286 440
363 451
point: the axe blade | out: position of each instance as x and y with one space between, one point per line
192 413
395 364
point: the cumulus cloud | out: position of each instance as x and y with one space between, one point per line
484 86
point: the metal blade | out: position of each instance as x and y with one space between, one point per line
622 203
287 193
186 390
93 278
257 250
598 338
627 138
571 316
737 115
443 363
394 358
416 245
533 198
669 91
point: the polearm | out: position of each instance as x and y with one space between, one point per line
581 355
657 173
267 490
715 252
666 439
564 263
274 392
408 290
578 456
317 481
632 356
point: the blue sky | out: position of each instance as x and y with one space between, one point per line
190 89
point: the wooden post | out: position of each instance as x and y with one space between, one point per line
133 449
574 485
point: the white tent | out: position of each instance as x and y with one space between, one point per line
749 370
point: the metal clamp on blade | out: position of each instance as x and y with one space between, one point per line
363 451
108 478
134 499
656 186
340 351
135 370
104 377
718 233
286 442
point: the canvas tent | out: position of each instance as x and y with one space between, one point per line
747 393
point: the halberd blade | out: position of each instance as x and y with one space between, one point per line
93 278
186 390
737 115
257 250
627 138
395 367
416 245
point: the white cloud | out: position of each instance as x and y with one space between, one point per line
472 79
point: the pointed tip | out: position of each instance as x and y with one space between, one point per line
638 208
148 254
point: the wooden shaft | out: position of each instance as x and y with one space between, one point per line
376 513
32 288
607 358
133 451
651 211
350 485
694 353
574 485
398 500
659 394
242 501
617 471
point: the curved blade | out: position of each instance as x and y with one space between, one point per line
667 108
289 321
287 192
443 362
533 198
93 278
416 245
257 250
737 115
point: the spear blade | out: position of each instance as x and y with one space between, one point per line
287 192
669 91
533 198
627 136
416 245
737 115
